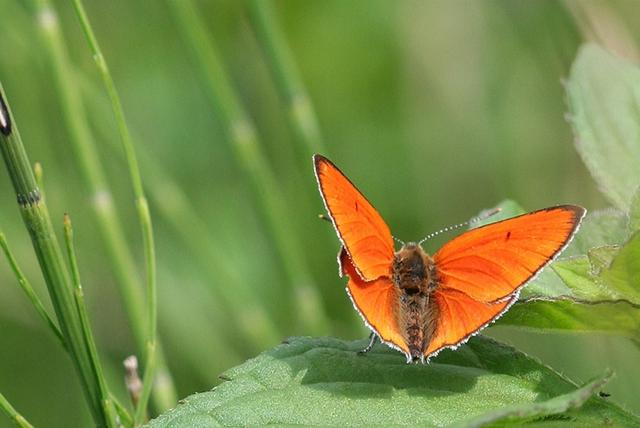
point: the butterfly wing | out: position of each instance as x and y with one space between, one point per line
376 301
480 272
460 317
364 234
492 262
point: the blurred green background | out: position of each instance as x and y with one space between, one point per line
436 110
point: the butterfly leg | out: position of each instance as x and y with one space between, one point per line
373 338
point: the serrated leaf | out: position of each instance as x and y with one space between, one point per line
604 100
623 275
577 274
601 257
324 382
598 228
526 413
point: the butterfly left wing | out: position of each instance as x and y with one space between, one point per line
376 301
480 272
364 234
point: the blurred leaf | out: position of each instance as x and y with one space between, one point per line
634 212
604 99
325 382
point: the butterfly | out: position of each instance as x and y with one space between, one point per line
418 303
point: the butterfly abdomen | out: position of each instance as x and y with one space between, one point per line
413 274
417 319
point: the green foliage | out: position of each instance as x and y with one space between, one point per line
434 134
594 289
604 96
596 285
324 382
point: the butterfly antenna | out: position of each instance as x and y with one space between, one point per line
324 217
482 216
400 241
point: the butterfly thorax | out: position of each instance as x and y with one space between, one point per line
414 275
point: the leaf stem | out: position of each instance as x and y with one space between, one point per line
13 414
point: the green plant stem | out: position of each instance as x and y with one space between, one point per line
250 316
36 218
226 285
125 417
141 201
90 343
38 173
243 137
29 291
13 414
300 112
141 411
150 362
109 226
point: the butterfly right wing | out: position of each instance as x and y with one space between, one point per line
490 263
460 317
480 272
364 234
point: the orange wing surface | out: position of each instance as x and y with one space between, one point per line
460 317
492 262
377 303
363 232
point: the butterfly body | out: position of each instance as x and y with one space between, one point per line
413 274
420 304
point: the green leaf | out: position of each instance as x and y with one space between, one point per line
634 212
601 257
577 274
567 316
598 228
324 382
604 101
623 275
524 413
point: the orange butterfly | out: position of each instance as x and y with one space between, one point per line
420 304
